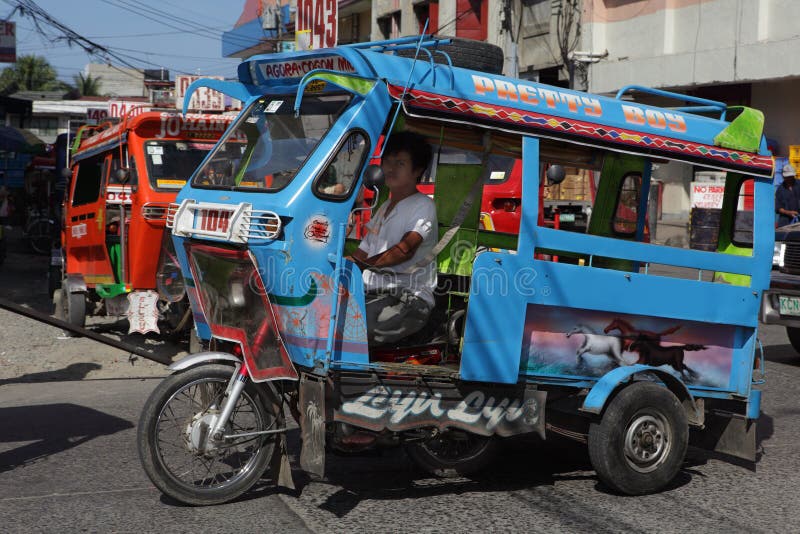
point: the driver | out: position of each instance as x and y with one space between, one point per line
399 278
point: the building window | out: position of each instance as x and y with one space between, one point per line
426 11
44 126
350 29
389 25
536 16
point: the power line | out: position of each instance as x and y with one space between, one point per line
52 30
161 17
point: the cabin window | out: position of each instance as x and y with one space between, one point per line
131 178
743 218
626 214
88 181
568 204
477 163
337 179
500 200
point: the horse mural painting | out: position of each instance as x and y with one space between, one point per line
630 334
598 344
655 354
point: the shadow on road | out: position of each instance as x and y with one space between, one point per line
784 354
52 428
23 280
523 464
74 371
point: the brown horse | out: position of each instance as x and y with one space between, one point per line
653 353
629 334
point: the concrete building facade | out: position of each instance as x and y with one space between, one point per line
743 52
525 29
118 81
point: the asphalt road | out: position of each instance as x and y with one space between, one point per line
68 462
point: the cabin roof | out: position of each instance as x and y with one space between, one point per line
464 95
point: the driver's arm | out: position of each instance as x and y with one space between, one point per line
359 256
402 251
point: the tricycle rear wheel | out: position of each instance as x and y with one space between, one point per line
70 307
451 453
639 444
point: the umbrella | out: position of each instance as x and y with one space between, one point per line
17 140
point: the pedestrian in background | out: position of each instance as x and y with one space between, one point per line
5 206
787 197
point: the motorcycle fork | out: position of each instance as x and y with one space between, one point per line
235 386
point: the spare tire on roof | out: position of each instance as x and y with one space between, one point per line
465 53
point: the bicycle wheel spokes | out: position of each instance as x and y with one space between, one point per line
183 440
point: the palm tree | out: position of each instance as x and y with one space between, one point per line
87 85
29 73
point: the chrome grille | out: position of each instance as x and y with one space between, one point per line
243 223
260 224
155 211
791 258
172 209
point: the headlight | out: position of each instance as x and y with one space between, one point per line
777 254
169 279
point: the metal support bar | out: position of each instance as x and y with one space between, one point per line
229 405
52 321
393 43
249 434
706 105
337 270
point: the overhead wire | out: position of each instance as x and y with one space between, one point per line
172 21
45 25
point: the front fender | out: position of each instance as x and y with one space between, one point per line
75 283
596 400
203 357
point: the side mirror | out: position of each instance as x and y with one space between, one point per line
373 176
556 174
122 175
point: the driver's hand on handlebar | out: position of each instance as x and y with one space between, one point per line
363 265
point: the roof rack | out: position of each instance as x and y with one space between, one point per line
411 42
706 105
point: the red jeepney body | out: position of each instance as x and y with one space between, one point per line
159 151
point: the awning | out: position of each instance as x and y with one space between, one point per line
19 140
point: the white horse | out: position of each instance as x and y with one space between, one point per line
599 344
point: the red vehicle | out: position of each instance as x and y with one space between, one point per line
501 199
123 179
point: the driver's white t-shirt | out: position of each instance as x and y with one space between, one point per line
416 213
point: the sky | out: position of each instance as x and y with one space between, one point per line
170 38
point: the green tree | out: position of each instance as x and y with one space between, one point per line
29 73
87 85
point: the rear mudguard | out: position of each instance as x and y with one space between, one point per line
601 392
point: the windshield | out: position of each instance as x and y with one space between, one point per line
171 163
270 143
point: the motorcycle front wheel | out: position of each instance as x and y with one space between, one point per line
178 453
